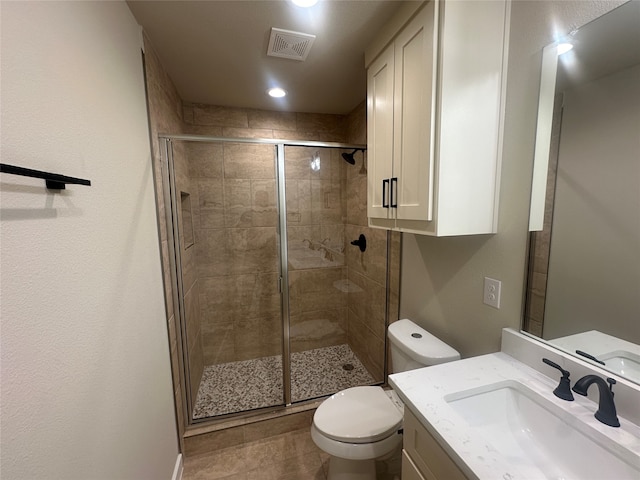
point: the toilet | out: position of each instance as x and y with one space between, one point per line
357 425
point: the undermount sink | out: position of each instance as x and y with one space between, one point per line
624 363
532 431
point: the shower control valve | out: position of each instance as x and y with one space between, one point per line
361 242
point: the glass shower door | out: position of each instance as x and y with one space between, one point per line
322 360
258 331
229 248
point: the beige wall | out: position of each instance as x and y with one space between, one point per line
86 386
442 278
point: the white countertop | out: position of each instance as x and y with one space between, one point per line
604 347
423 391
595 343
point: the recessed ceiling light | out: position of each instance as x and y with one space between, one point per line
305 3
564 48
276 92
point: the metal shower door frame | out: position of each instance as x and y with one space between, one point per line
175 256
175 266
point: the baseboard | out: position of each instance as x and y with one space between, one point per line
179 468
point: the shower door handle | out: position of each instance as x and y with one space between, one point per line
385 182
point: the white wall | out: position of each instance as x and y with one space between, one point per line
442 278
594 267
86 387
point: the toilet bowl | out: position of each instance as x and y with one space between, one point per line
358 425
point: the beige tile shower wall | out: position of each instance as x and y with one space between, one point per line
247 123
235 218
367 271
316 211
165 116
190 284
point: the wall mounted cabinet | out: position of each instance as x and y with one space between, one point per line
434 120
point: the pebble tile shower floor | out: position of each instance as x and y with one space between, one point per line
249 384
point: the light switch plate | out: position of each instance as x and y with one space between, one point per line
492 290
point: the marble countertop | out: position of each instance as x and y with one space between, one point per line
424 390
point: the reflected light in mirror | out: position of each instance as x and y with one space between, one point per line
304 3
564 48
277 92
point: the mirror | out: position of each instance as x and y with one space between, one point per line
583 292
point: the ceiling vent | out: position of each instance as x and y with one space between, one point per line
288 44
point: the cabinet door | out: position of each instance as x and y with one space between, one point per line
472 61
409 470
414 116
425 452
380 133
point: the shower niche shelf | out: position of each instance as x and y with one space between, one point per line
186 220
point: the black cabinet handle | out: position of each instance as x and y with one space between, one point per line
385 182
394 204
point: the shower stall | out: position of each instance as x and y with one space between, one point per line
279 299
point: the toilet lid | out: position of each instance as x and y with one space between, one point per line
358 415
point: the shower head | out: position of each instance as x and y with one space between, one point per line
348 157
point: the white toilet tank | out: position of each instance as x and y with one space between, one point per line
413 347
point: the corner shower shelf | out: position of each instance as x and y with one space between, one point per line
53 181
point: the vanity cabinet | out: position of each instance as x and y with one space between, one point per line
434 120
422 457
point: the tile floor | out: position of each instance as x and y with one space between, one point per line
289 456
250 384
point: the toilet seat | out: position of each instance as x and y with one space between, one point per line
358 415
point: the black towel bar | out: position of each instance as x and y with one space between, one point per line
53 181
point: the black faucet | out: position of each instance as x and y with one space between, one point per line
606 409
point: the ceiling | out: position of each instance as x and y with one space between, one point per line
215 51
